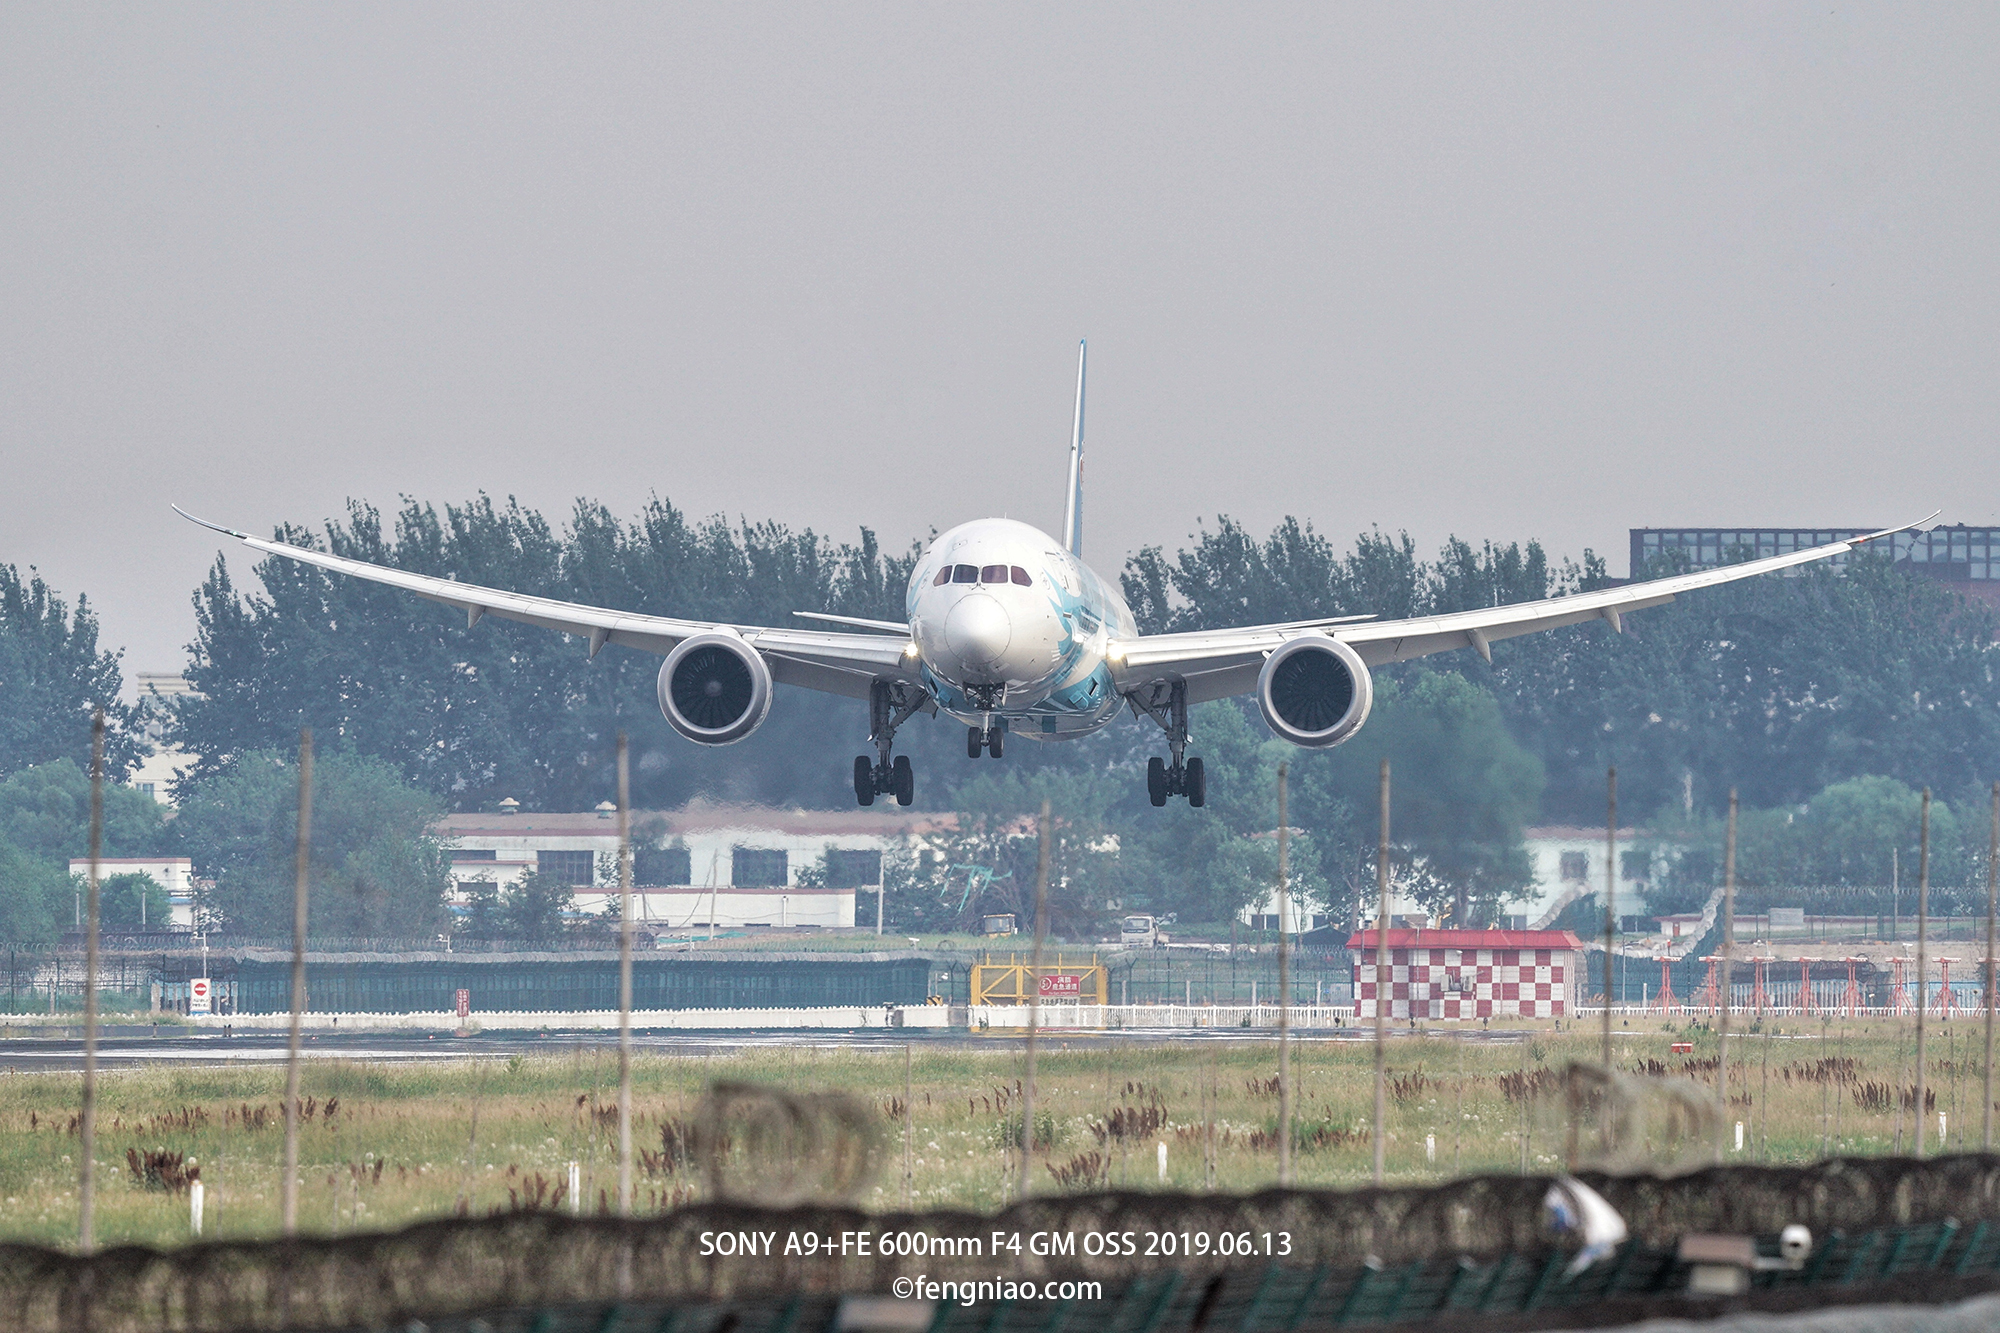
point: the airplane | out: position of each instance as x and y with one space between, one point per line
1010 633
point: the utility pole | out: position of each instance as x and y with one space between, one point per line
1284 995
1382 986
1923 962
1610 892
1992 902
1728 980
288 1195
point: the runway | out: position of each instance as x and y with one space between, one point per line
33 1055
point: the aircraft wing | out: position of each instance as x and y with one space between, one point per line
824 660
1217 664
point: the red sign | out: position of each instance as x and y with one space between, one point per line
1683 1048
199 1001
1062 983
464 1003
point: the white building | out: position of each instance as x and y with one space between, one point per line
175 874
1300 913
735 866
1568 863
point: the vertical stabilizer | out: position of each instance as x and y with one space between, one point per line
1073 511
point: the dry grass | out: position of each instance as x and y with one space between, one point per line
385 1144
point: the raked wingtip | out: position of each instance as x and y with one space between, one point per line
1890 532
212 527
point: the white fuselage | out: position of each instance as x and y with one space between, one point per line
1012 627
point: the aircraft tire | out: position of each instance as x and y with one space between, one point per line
1197 784
996 742
903 780
973 743
864 780
1156 780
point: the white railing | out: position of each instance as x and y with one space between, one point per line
1303 1017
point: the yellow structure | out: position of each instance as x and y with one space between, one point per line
1018 980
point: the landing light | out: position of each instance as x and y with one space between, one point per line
910 650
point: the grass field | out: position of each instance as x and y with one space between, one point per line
385 1144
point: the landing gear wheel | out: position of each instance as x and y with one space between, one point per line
1156 780
864 779
903 780
996 741
974 743
1196 784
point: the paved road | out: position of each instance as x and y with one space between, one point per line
38 1055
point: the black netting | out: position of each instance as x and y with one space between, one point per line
543 1259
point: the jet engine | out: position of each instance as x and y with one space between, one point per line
1314 691
715 689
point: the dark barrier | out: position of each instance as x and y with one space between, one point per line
1275 1260
569 982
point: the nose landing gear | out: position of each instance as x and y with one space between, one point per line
992 739
1166 704
890 705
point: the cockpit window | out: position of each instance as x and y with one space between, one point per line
1021 577
993 574
965 574
944 577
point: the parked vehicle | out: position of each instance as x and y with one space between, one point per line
1141 932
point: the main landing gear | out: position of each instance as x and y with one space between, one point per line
992 739
890 705
1166 703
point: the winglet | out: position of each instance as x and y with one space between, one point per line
212 527
1073 510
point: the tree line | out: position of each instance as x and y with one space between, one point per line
1783 687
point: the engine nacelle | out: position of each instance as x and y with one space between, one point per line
715 689
1314 691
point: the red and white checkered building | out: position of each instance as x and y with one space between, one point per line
1460 974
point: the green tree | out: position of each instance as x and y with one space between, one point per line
45 810
481 919
376 868
54 678
1461 790
1838 852
131 900
536 908
35 901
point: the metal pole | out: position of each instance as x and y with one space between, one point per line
1035 999
624 979
1728 980
1923 973
1382 986
1284 992
1992 900
86 1229
1610 896
289 1186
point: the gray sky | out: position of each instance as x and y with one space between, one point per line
1505 271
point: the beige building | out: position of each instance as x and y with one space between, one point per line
163 764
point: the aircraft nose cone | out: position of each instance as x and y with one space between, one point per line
977 631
